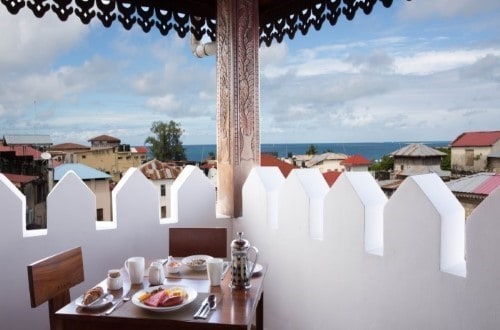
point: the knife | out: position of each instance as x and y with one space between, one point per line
202 307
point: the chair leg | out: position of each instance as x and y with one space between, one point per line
56 304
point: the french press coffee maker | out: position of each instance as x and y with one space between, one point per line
241 267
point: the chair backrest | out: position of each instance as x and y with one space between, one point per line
51 278
184 242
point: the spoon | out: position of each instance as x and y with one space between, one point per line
212 302
118 304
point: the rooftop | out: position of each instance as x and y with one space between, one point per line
157 170
418 150
106 138
27 139
476 139
84 172
68 146
479 183
356 160
22 150
270 160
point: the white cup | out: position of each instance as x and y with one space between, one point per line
135 269
214 271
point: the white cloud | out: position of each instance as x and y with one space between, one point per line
352 118
166 102
30 41
429 62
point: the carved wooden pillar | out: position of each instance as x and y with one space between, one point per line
238 136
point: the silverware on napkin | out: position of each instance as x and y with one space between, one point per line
201 309
208 304
212 305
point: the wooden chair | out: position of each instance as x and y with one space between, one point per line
184 242
51 278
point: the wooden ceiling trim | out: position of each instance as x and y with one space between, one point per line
277 18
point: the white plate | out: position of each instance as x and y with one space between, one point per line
105 299
187 261
191 295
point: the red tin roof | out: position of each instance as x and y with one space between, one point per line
476 139
270 160
22 151
331 177
356 160
488 185
141 150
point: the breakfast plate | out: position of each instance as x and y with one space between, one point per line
191 295
196 262
104 300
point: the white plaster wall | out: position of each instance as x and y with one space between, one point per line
371 263
136 229
458 158
417 280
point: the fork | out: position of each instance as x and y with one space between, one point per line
118 304
212 305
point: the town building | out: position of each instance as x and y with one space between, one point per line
417 158
413 159
356 163
471 190
106 154
473 152
328 161
97 181
162 175
24 161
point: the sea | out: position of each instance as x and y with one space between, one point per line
372 151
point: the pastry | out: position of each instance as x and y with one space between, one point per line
92 295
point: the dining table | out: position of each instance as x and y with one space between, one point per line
235 308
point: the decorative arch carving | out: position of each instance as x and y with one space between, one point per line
277 19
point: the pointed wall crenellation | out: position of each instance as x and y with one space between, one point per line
345 252
136 229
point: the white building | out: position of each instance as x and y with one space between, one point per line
162 175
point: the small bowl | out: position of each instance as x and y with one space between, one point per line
173 267
196 262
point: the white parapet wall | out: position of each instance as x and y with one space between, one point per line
381 264
344 257
136 229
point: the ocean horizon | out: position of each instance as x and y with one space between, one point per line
372 151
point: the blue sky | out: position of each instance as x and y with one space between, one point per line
419 71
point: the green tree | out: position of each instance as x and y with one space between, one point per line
166 144
446 161
312 150
385 164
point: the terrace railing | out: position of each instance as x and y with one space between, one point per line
344 257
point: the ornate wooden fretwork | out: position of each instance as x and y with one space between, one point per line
238 139
277 19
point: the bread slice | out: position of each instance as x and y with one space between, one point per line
92 295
